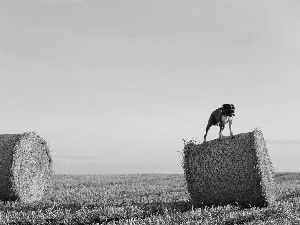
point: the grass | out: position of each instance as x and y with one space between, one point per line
145 199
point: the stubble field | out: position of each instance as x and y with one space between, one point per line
145 199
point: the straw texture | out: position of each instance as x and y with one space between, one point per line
231 171
25 167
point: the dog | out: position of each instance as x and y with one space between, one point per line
220 117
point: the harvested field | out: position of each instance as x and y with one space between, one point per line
25 167
145 199
232 171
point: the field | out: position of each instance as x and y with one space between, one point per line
145 199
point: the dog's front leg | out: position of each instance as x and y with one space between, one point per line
230 122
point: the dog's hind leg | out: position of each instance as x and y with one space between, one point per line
207 128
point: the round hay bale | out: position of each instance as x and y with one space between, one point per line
231 171
25 167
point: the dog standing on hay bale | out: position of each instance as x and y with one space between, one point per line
220 117
25 167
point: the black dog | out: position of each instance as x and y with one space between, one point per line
220 117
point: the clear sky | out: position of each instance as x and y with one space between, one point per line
114 86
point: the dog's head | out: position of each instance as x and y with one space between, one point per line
228 110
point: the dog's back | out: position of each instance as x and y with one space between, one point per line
215 117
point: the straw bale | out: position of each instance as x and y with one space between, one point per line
25 167
234 171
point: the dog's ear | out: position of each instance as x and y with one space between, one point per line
232 109
225 105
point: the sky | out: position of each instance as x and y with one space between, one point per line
115 86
